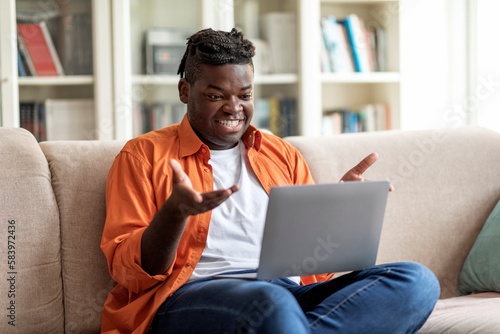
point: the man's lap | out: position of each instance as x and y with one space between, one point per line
234 304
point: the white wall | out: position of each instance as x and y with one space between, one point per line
433 63
487 64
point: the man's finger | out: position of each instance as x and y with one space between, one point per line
365 163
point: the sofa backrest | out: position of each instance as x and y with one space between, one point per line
79 170
446 184
30 267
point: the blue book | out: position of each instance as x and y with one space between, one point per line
348 26
20 65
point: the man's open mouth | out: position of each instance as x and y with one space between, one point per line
229 123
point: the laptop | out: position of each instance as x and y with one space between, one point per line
321 228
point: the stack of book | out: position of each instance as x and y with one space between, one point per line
371 117
59 119
349 46
60 45
37 52
277 115
149 117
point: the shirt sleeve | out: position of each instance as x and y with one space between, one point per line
130 207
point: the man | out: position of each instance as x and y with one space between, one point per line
187 202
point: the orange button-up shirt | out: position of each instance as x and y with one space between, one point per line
139 182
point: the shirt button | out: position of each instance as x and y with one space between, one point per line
206 170
201 230
188 264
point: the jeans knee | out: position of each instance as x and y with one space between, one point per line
267 307
420 283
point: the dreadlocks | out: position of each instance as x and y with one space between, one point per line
214 48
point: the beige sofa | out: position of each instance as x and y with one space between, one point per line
53 276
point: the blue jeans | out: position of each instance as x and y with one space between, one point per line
389 298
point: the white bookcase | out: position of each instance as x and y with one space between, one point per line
119 80
15 89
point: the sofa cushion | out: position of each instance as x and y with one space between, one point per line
79 171
481 270
31 290
473 314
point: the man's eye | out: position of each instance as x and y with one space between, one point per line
214 96
246 96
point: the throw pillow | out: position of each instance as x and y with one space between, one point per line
481 270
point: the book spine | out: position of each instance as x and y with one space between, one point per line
25 55
20 65
352 46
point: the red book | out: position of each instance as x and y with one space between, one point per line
40 48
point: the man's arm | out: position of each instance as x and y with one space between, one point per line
161 238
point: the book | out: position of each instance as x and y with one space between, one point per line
277 115
331 123
75 44
32 118
70 119
20 65
40 48
149 117
28 116
335 45
356 36
25 57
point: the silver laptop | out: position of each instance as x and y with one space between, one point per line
321 228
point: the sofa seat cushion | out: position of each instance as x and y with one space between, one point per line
476 313
79 170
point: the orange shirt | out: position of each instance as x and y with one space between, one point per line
139 182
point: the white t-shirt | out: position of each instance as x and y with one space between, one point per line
236 226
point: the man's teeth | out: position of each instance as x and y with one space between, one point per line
230 124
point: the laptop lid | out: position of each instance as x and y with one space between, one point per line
322 228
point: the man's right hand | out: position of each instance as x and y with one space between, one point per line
186 201
161 238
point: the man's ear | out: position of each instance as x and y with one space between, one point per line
183 87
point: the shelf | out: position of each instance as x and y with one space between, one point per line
362 2
155 79
260 79
70 80
276 79
369 77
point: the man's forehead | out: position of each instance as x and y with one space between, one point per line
218 76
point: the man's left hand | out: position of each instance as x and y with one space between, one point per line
356 173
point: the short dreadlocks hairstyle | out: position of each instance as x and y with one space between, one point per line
214 47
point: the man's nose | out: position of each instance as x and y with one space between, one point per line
233 106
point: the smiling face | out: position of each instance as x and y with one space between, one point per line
219 103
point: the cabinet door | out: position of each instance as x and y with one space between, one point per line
59 83
147 98
149 41
9 108
274 28
361 86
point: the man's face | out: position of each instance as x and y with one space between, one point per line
220 103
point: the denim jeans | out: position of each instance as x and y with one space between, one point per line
389 298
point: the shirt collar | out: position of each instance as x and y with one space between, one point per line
191 144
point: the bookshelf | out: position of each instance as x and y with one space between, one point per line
87 77
134 86
354 90
120 81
